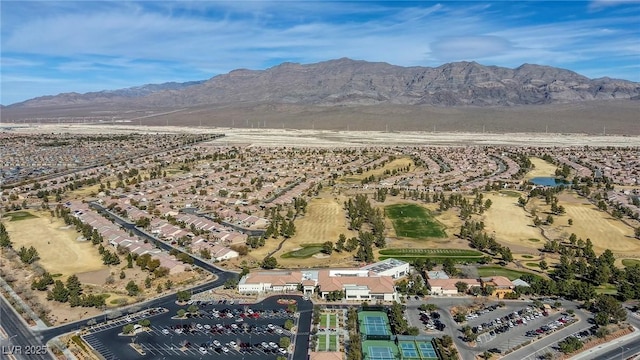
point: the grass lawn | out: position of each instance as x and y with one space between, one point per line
431 252
487 271
534 240
527 256
630 262
306 252
323 320
532 264
333 342
413 221
510 193
322 342
333 321
608 289
437 255
20 215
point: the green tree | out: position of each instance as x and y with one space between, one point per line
269 262
448 266
181 312
147 282
543 265
506 254
74 286
183 295
59 292
132 288
193 308
288 324
5 241
462 286
327 247
127 329
284 342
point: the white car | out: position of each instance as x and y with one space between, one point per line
282 351
278 331
225 349
232 343
178 331
199 326
202 350
165 331
273 345
271 327
216 343
207 327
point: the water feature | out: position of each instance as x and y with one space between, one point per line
548 181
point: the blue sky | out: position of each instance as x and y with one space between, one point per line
52 47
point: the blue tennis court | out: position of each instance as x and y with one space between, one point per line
409 350
380 353
427 350
375 325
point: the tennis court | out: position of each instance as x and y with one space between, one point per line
379 350
374 323
409 350
380 353
426 350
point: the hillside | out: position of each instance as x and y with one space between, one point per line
350 82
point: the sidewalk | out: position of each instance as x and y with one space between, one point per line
589 353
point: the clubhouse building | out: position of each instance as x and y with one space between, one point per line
352 284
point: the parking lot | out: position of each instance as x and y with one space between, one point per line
235 331
505 328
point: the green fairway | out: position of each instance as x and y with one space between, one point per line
432 252
20 215
630 262
488 271
413 221
306 252
510 193
437 255
608 289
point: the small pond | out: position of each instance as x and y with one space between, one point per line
548 181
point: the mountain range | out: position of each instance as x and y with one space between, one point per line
344 82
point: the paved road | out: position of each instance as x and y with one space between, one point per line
615 350
21 340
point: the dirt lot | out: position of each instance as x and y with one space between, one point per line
57 245
542 168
